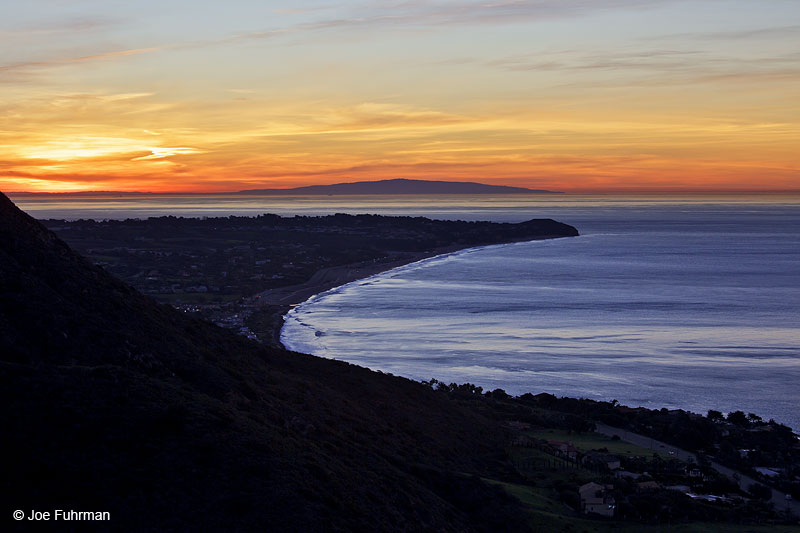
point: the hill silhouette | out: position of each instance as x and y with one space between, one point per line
115 403
400 186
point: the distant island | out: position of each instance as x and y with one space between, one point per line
401 186
390 186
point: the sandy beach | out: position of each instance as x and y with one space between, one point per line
277 302
328 278
282 299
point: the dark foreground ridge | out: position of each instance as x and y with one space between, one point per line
113 402
401 186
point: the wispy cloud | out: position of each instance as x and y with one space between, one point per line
163 153
478 12
380 16
426 13
75 25
26 65
658 66
730 35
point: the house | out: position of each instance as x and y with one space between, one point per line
611 461
648 485
595 499
694 472
566 448
767 471
621 474
707 497
679 488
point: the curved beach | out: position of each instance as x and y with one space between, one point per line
352 274
652 316
283 299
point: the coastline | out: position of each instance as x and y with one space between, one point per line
279 301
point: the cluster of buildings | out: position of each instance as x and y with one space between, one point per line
602 498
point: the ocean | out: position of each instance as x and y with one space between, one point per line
684 302
680 306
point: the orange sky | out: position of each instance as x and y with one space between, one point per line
629 95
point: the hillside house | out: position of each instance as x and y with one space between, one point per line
611 461
595 499
566 449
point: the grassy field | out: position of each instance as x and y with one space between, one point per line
592 441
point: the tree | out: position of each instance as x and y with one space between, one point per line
754 418
500 394
714 415
738 418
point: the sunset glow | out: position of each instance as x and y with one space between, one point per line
632 95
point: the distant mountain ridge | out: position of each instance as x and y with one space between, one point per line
390 186
401 186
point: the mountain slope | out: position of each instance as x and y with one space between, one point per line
115 403
399 186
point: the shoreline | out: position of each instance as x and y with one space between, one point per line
282 299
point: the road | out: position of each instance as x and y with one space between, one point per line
778 498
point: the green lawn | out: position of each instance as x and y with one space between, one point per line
591 441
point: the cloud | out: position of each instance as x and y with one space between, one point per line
303 11
657 66
163 153
395 15
372 115
75 25
25 65
745 34
480 12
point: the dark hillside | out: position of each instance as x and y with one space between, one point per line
112 402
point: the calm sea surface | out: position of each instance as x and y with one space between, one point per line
678 302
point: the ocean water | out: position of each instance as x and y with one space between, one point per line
505 208
692 306
686 302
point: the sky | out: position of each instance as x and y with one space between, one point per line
569 95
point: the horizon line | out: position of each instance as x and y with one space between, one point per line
533 191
